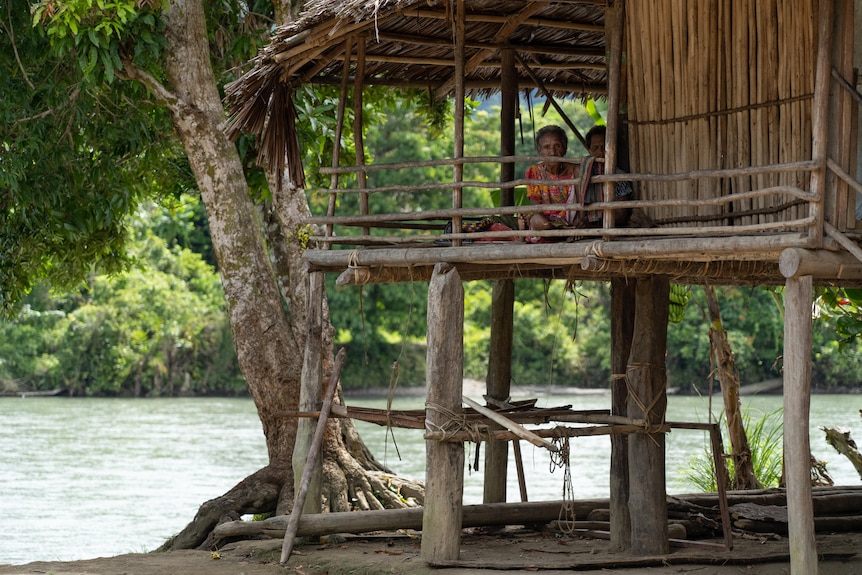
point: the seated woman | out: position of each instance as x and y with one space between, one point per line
550 141
589 192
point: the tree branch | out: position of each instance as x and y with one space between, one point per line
11 33
131 72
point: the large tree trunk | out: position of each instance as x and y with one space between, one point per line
269 343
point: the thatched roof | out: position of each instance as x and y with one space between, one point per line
409 43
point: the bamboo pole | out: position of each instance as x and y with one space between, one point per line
668 176
317 441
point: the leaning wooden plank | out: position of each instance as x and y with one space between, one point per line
518 430
317 441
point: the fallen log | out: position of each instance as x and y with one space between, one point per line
821 525
700 510
523 513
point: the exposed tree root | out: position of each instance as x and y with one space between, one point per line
257 493
352 480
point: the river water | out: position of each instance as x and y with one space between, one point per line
84 478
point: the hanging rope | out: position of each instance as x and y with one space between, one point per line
560 459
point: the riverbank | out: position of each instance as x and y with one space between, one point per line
513 552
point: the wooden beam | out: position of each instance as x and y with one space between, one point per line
374 275
509 25
423 61
574 88
798 262
552 49
500 19
698 249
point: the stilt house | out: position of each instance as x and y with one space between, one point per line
735 119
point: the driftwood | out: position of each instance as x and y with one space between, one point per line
839 438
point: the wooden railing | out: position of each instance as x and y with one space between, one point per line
427 225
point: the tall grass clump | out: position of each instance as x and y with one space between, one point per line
765 435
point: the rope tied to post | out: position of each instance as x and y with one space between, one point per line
455 423
646 408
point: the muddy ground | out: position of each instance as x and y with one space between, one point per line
512 551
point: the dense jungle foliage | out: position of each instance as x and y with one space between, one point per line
159 328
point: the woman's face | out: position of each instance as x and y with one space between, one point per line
551 145
597 146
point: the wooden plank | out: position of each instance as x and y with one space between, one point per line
515 428
797 401
444 461
647 399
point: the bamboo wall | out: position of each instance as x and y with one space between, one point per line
720 84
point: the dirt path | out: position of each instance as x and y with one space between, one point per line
512 552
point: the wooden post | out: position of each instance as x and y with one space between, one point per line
444 460
508 114
358 142
336 140
647 399
460 94
820 117
622 326
498 381
797 403
311 393
614 41
498 384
